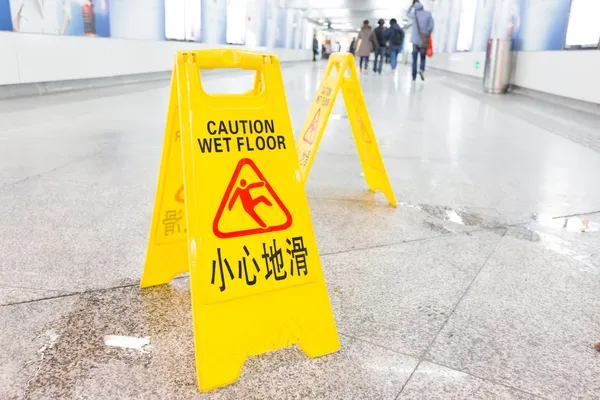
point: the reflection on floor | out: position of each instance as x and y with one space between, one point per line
483 283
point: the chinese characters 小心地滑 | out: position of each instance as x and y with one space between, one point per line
249 269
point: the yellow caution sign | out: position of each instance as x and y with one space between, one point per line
256 278
167 254
314 126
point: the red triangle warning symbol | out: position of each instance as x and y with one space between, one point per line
311 132
179 195
250 205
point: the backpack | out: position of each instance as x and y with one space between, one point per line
379 34
398 38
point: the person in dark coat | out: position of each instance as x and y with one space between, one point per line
379 34
395 36
352 49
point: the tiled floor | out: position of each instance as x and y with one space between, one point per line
484 283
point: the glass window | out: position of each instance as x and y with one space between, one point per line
182 19
466 25
308 36
236 21
583 30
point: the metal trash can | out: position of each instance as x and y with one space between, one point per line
498 64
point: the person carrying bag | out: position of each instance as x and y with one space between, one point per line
422 29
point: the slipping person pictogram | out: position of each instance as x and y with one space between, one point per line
274 218
311 133
248 202
363 131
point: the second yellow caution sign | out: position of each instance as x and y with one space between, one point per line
256 278
314 126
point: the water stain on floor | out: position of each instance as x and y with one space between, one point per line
73 350
524 233
460 216
435 227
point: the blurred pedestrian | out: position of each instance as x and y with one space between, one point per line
315 47
365 45
422 29
352 49
379 34
395 36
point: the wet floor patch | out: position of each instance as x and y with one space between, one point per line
447 220
524 233
125 327
460 216
574 236
582 223
436 227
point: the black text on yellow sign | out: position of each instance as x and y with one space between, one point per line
231 209
364 136
241 136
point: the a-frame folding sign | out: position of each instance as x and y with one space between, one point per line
231 208
314 126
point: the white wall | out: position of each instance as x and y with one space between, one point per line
572 74
568 73
28 58
460 63
149 19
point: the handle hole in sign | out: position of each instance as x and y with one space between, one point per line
234 81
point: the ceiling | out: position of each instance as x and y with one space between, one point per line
350 14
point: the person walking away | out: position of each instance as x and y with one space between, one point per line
422 28
365 45
352 49
315 47
395 36
379 34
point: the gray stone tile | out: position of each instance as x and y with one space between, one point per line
58 204
338 177
124 166
529 321
400 296
354 224
58 350
72 259
359 370
77 179
11 295
24 157
413 181
431 382
346 225
576 237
